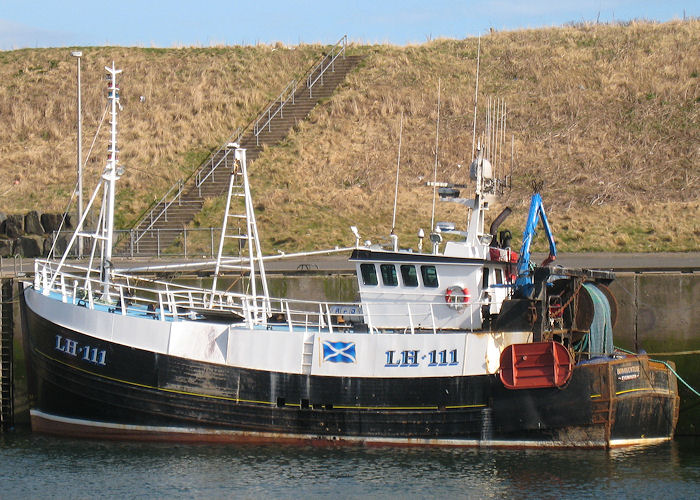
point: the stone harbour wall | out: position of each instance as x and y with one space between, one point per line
31 235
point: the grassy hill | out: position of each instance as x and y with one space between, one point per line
606 115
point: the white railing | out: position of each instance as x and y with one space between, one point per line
139 296
166 301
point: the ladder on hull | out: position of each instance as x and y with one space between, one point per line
307 353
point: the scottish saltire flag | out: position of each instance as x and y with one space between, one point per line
339 352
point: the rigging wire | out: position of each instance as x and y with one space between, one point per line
75 190
94 139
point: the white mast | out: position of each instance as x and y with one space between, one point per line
110 176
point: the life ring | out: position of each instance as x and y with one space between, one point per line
456 296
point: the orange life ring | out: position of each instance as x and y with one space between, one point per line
457 296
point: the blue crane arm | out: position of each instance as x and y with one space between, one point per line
524 279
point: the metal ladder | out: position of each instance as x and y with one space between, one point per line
6 372
307 353
239 206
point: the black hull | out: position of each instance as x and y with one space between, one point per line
145 395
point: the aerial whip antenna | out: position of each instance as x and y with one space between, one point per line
476 93
398 163
437 136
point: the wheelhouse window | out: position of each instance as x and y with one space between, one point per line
429 274
485 278
369 274
409 275
389 277
499 277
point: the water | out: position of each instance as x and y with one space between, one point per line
34 466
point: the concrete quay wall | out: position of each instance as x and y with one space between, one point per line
660 313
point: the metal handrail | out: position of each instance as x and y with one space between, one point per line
257 128
198 180
321 67
340 47
343 44
148 212
181 185
133 239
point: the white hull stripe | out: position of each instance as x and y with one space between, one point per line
615 443
233 435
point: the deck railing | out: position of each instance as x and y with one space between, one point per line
167 301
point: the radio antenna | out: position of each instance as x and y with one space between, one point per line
437 136
476 93
398 163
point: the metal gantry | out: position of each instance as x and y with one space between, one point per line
239 207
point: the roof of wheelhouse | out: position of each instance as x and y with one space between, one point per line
361 254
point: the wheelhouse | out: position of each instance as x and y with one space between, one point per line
405 290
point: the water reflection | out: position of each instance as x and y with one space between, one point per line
33 466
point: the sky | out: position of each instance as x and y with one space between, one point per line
176 23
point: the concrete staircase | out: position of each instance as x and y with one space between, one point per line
166 222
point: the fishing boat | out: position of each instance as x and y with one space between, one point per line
464 344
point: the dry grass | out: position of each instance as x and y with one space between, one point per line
607 116
194 100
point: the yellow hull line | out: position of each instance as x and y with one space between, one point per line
136 384
341 407
633 390
237 400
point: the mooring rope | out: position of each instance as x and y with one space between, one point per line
669 367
